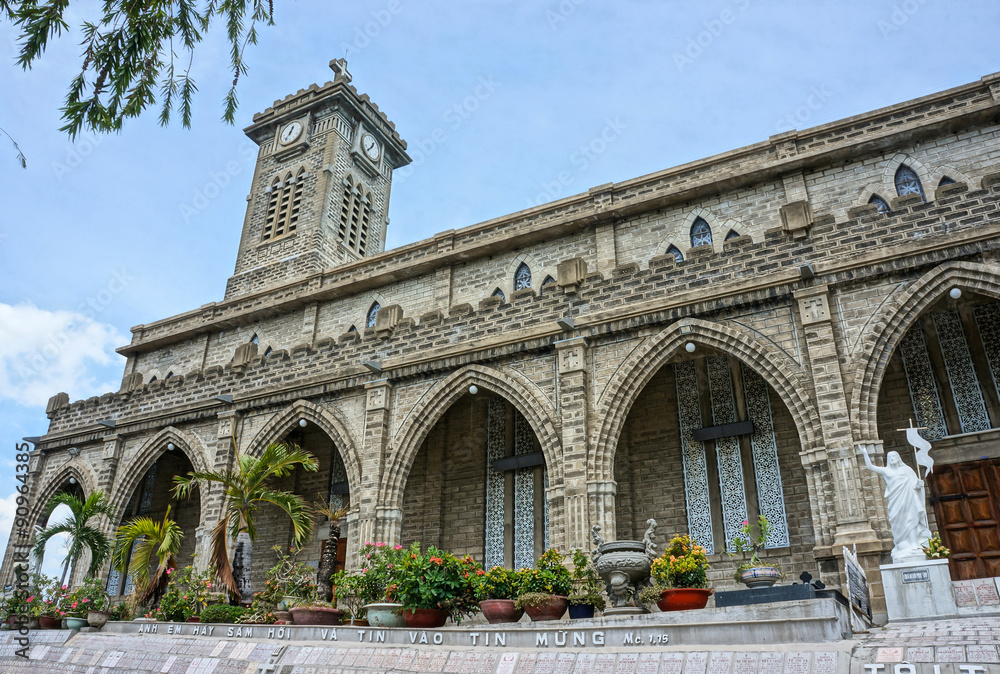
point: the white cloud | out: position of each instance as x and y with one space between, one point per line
45 352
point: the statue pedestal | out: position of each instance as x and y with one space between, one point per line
918 590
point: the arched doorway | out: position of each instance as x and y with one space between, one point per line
943 376
150 498
477 485
54 558
707 445
328 485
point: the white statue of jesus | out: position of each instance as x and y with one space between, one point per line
904 492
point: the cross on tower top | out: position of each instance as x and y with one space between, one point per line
339 67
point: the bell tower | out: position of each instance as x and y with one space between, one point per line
320 192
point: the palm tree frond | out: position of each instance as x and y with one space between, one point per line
220 558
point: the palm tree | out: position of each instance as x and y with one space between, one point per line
246 489
82 536
148 536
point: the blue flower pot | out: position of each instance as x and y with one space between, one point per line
580 611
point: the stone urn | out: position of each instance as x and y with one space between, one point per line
624 567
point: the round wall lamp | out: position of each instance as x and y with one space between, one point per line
171 447
955 293
72 480
302 423
473 389
689 347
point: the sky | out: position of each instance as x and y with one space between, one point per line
505 105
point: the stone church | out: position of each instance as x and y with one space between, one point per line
699 345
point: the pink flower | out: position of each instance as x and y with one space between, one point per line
379 545
31 597
85 601
169 571
745 523
368 556
398 547
74 605
65 587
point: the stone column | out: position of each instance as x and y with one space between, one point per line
212 499
21 535
852 525
114 445
368 526
578 511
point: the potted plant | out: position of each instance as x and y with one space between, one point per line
186 596
935 548
752 572
289 581
587 594
17 609
434 585
92 595
380 566
544 588
74 612
680 577
350 592
123 612
260 612
496 591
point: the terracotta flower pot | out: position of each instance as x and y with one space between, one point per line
194 619
500 611
49 622
684 599
551 610
422 618
760 576
282 617
98 619
316 615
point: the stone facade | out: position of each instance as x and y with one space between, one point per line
791 317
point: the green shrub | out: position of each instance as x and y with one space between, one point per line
222 613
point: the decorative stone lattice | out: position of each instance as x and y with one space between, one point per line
338 475
727 450
693 454
145 503
524 497
961 373
770 493
921 385
495 449
988 322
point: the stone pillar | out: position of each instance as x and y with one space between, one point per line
831 404
21 535
114 446
212 499
607 255
578 512
373 457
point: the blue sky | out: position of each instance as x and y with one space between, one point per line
112 231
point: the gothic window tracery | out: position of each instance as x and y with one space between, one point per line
881 204
522 277
907 182
701 233
372 315
675 251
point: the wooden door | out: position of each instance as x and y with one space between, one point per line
965 498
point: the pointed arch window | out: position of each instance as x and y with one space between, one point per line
907 182
676 252
946 180
372 315
152 379
355 216
284 205
255 340
881 204
267 353
522 277
733 234
701 233
499 293
169 375
352 329
548 280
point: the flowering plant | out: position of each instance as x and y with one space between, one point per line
186 595
751 543
436 579
497 583
261 612
380 567
350 589
684 564
92 595
935 548
548 577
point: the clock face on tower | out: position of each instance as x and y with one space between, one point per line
290 133
370 146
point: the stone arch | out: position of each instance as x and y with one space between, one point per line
890 322
888 181
329 421
873 190
75 468
777 368
130 476
679 234
538 272
942 170
520 391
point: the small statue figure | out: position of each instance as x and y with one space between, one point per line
648 538
598 541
